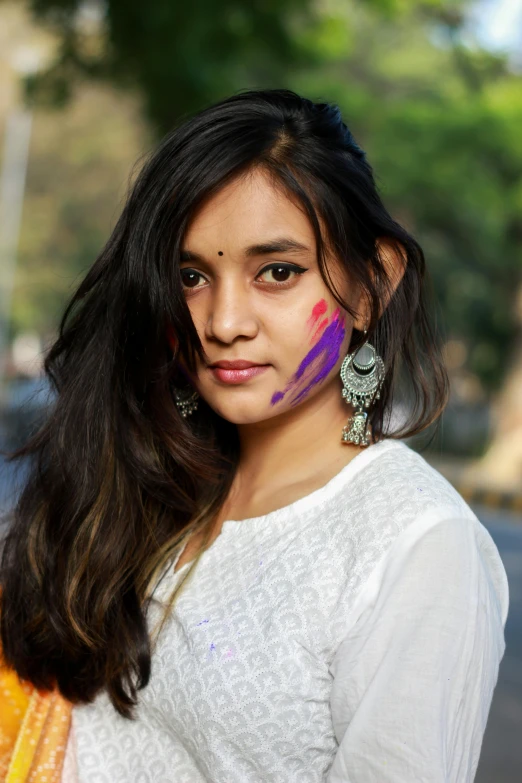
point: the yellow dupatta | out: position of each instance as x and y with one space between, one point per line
34 726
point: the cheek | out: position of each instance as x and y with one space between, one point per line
327 338
317 322
318 311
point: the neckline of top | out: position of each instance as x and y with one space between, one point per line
329 489
305 503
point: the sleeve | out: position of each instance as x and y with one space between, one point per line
413 680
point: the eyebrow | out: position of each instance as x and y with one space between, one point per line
282 245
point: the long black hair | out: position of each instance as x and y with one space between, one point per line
118 478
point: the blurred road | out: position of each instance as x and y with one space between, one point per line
501 757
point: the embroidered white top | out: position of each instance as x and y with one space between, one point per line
353 636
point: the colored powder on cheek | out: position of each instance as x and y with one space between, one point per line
329 339
319 329
326 351
276 397
171 337
318 310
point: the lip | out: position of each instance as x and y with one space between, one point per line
234 372
237 364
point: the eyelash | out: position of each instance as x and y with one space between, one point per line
298 270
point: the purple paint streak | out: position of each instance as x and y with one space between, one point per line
325 353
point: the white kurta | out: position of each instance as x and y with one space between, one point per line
353 636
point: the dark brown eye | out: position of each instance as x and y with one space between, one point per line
280 273
190 278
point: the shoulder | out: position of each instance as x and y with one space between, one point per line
403 510
402 485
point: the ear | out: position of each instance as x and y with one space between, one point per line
394 259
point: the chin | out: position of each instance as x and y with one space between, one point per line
237 412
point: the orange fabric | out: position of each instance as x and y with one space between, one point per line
34 726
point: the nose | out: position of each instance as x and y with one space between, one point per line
231 314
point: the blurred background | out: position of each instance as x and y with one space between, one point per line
432 90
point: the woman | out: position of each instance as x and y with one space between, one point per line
225 558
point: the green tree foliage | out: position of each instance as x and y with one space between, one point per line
81 160
439 119
180 55
441 124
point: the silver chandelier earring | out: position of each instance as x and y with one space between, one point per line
186 401
362 374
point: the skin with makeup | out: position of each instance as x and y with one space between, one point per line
274 338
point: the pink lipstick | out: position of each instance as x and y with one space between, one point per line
238 371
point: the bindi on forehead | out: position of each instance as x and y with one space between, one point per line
220 252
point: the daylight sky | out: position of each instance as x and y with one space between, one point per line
498 25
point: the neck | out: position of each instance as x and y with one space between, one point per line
297 443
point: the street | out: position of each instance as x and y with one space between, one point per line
501 757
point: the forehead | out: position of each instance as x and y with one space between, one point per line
250 208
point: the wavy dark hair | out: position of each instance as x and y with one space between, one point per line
118 479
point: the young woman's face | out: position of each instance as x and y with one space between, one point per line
273 334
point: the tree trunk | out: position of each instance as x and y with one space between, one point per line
501 467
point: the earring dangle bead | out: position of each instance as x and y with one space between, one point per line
362 374
186 401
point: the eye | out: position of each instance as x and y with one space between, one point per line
281 273
190 278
